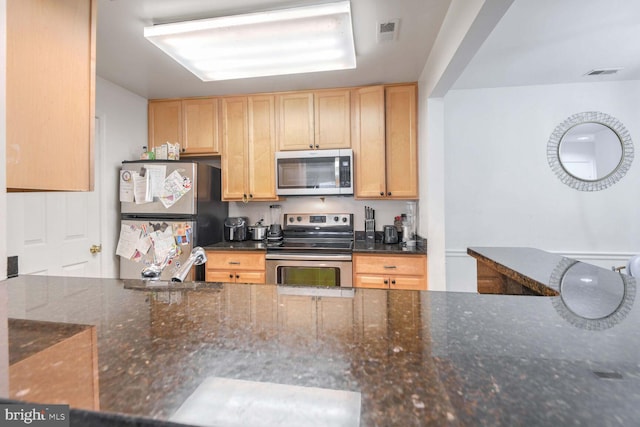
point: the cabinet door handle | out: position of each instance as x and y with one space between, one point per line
231 276
237 276
250 196
310 145
386 282
317 146
382 193
389 193
389 266
234 262
393 282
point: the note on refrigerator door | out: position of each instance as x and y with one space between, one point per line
143 244
163 242
157 173
142 188
129 236
175 186
126 186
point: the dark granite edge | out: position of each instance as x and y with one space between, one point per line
526 281
381 248
247 245
167 286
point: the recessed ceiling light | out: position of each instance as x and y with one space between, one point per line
286 41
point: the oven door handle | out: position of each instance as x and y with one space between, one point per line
309 257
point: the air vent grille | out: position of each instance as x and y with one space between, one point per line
387 30
603 71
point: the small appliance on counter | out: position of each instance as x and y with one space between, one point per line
275 235
258 231
390 234
236 229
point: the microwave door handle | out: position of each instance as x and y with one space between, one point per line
337 164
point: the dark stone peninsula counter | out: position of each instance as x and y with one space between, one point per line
373 357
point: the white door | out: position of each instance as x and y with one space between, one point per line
53 232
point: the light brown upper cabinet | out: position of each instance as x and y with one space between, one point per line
200 127
248 147
319 120
165 122
191 122
385 139
50 100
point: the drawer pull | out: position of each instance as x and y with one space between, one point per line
389 266
234 262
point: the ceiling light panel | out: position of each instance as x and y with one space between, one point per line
288 41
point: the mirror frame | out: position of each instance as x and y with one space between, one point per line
606 322
553 151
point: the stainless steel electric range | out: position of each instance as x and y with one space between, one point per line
315 251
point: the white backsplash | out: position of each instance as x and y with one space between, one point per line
386 210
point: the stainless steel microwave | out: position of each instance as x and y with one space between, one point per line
314 172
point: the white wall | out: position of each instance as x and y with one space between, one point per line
465 27
123 117
500 191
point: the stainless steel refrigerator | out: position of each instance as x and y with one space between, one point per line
184 207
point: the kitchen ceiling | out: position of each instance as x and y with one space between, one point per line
558 41
535 43
126 58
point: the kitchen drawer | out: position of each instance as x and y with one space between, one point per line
240 276
235 260
414 265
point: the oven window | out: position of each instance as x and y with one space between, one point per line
309 276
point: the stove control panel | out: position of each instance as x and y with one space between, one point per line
326 220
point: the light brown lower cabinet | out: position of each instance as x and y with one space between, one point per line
53 363
235 267
408 272
315 316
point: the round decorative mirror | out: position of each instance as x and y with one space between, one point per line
590 151
591 297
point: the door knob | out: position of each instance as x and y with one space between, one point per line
94 249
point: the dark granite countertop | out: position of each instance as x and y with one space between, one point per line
248 245
361 246
411 358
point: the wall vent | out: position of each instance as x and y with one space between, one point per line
603 71
387 30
